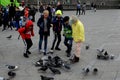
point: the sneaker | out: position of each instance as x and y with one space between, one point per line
25 55
51 51
58 49
40 51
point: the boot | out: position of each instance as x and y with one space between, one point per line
25 55
75 59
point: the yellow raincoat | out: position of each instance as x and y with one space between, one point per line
78 32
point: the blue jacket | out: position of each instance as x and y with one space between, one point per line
57 24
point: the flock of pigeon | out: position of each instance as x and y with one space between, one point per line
56 62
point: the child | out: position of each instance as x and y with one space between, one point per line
57 28
26 33
44 23
68 35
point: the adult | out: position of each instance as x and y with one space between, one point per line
78 12
59 7
83 8
41 9
78 37
32 13
50 11
44 24
94 6
12 12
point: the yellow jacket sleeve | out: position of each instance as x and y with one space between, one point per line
78 32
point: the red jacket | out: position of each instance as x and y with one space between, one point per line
25 32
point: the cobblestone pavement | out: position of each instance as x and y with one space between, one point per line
102 30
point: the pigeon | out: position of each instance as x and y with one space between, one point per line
38 64
9 37
43 68
10 67
95 70
86 70
55 71
46 78
66 66
87 47
11 74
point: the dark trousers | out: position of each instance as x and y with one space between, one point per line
28 43
83 12
68 43
5 24
45 37
78 11
57 36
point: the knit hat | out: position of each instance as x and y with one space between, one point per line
58 12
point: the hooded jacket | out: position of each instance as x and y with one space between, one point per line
57 24
25 32
78 32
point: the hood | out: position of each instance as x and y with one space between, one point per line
58 12
28 24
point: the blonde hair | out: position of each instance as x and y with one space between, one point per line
73 19
45 12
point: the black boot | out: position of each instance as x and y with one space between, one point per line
75 59
28 52
25 55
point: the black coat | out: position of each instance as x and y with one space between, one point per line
40 24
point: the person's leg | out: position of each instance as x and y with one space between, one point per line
66 44
70 41
77 52
45 44
58 43
40 41
28 43
54 41
4 27
77 12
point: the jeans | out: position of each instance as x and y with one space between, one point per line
68 43
45 37
56 36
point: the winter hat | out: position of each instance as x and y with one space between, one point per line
58 12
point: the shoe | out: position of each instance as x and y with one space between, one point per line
58 49
45 53
3 29
51 51
28 52
41 51
25 55
75 59
68 54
